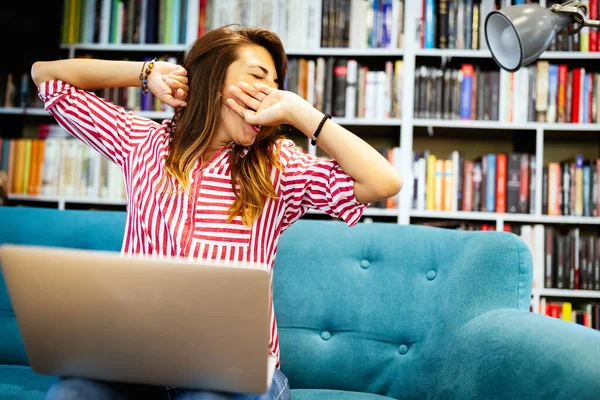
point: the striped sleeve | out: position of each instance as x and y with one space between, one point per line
107 128
311 182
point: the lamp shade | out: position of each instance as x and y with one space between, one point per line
518 35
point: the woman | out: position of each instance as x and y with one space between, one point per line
218 181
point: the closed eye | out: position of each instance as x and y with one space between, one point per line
257 77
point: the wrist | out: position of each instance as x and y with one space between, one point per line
305 118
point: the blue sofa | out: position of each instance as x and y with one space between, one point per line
372 312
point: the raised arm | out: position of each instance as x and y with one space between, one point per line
167 81
374 177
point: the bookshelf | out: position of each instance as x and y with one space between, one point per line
409 132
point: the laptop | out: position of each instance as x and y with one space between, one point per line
153 321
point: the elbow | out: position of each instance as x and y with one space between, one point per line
395 183
388 187
37 73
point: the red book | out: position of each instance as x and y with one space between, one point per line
586 320
524 184
593 32
467 200
576 95
561 105
501 183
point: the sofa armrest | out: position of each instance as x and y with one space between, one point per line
514 354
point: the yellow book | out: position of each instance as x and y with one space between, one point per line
40 162
11 165
33 167
584 40
66 21
17 182
439 185
77 27
431 182
448 180
567 311
72 19
26 166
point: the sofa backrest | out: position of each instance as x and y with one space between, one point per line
368 308
98 230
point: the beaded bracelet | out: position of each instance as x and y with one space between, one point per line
313 140
145 73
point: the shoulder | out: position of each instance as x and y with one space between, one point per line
287 151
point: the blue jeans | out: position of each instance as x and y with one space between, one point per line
87 389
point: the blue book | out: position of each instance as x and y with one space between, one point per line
152 21
586 99
552 92
374 39
429 24
490 184
468 23
5 148
466 96
386 23
175 23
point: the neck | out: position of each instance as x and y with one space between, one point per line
216 144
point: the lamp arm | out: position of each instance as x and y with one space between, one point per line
578 11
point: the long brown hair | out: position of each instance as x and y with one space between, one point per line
206 63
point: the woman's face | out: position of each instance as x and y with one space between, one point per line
254 65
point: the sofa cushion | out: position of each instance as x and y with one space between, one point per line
12 350
22 383
100 230
320 394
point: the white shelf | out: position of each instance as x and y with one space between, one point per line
506 217
369 212
581 294
66 199
369 121
459 215
373 212
345 52
453 53
23 111
125 47
333 51
569 55
484 53
476 124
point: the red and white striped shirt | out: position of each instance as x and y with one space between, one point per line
170 222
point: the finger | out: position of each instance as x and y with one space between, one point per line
173 102
175 84
181 94
263 88
179 71
180 78
238 109
249 101
260 96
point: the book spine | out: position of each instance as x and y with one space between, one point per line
501 183
491 183
466 90
513 183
